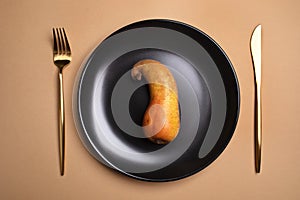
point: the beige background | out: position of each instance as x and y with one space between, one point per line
29 166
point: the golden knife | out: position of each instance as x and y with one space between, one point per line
255 46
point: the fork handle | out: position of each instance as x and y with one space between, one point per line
61 117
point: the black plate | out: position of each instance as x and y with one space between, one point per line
109 105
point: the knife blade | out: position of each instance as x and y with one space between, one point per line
255 46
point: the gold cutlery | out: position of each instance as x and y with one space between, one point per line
255 46
61 58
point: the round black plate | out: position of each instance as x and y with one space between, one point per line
109 105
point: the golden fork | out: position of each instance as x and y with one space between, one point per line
61 58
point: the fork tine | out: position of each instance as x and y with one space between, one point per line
68 49
60 46
63 43
55 48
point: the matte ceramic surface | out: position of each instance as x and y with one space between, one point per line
109 105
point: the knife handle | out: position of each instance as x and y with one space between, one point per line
257 126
